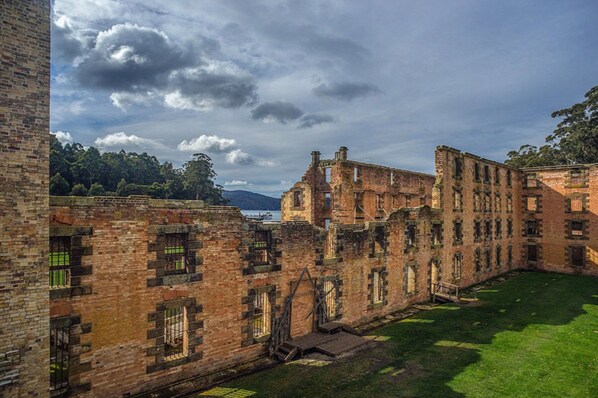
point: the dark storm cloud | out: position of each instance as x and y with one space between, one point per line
311 119
345 91
280 111
222 86
65 46
128 56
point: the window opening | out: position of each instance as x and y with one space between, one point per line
577 228
410 280
532 253
60 261
532 228
261 315
577 256
297 198
175 254
378 286
436 234
175 333
59 357
262 247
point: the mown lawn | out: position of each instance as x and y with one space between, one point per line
535 335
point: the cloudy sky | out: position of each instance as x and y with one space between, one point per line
258 85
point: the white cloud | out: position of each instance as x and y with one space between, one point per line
239 157
63 136
235 183
123 100
208 143
267 163
123 140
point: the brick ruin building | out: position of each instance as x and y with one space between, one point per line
114 296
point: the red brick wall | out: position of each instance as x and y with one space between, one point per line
407 189
554 188
444 197
24 141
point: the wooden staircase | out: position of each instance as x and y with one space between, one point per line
286 352
445 292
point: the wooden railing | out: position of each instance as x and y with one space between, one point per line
445 290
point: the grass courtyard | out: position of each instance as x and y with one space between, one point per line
535 335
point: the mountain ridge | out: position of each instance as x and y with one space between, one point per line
247 200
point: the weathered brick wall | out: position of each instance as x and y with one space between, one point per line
382 189
558 189
24 141
118 287
447 182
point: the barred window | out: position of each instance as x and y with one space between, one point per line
262 313
330 299
509 178
509 255
477 230
60 261
262 248
175 254
497 203
457 265
498 228
488 255
175 333
509 227
59 357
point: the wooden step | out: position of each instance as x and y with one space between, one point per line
286 356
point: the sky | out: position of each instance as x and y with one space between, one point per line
258 85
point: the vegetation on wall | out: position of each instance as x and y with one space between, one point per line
79 171
574 141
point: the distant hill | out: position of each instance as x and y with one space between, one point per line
246 200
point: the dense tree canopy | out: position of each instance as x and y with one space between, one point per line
574 141
75 170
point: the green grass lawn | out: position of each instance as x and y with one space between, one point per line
535 335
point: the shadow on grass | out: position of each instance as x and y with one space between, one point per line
420 356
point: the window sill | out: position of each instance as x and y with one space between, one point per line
260 269
178 279
261 339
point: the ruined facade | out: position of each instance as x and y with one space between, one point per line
342 191
24 140
121 296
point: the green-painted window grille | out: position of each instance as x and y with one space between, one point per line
175 253
60 261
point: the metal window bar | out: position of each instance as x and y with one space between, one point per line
330 297
262 248
175 254
175 333
59 357
261 315
60 261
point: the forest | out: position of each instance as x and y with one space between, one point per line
80 171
